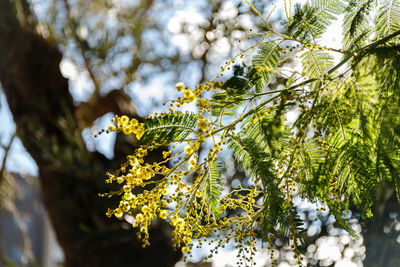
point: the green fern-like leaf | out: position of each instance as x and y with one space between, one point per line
168 128
316 63
310 157
264 62
310 21
255 160
258 165
231 95
226 103
388 19
287 222
388 144
213 186
356 23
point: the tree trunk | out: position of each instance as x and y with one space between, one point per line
380 235
70 176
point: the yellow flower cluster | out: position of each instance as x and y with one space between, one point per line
203 126
145 206
189 95
127 126
191 148
199 219
193 217
160 187
180 86
203 103
192 95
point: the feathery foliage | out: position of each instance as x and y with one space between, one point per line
264 62
316 63
168 128
213 187
311 20
356 23
388 19
342 144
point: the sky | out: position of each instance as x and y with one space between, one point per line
18 159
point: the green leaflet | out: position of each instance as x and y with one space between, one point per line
310 21
213 185
264 63
388 144
284 228
356 27
231 97
316 63
258 165
255 160
388 19
168 128
310 157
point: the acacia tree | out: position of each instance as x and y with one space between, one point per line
70 174
341 150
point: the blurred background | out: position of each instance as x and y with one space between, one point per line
67 67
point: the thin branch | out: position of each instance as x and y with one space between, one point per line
364 49
82 49
6 151
378 42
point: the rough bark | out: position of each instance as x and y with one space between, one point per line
70 176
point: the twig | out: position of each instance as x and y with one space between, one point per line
6 150
82 49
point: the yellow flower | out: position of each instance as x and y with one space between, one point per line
192 161
198 193
187 239
134 122
180 86
124 119
139 218
129 178
189 95
128 196
185 250
118 213
126 207
127 130
163 214
165 154
177 221
203 125
133 161
196 146
145 209
164 191
204 103
141 174
111 128
188 150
